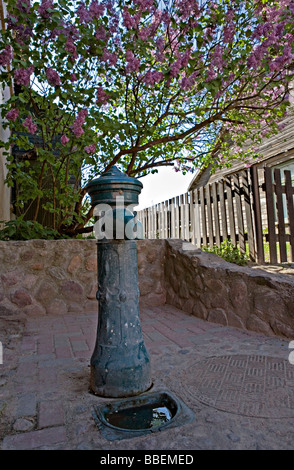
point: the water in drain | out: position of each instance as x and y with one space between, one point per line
147 416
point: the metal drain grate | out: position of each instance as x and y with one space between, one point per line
256 386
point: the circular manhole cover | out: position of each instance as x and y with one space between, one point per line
256 386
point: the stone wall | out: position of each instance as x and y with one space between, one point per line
39 277
204 285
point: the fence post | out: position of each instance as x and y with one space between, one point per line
269 193
248 214
280 211
290 207
257 215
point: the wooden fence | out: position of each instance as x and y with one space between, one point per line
254 209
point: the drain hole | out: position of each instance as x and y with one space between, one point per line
147 416
144 413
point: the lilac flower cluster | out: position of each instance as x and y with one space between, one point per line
133 63
71 48
64 139
96 10
101 33
90 148
102 96
22 76
53 77
129 21
44 8
181 62
12 115
28 123
187 82
24 6
79 122
6 56
153 77
108 57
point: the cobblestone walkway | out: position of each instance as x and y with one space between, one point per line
239 384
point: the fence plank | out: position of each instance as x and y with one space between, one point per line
257 215
269 194
215 213
186 218
192 208
223 210
197 223
240 222
177 216
209 214
154 216
280 213
203 215
173 218
248 214
231 211
290 208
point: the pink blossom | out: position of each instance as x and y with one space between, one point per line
24 5
96 9
53 77
153 77
145 5
90 148
130 22
64 139
73 78
229 33
217 58
211 75
71 48
12 115
5 56
109 57
175 68
28 123
78 122
84 15
188 82
102 96
101 33
22 75
133 63
44 7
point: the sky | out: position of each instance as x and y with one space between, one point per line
162 186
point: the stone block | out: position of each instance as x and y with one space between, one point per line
72 290
57 307
217 315
21 298
75 263
91 263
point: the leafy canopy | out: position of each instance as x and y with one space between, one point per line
139 83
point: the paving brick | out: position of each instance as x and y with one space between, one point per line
51 413
27 405
35 439
79 345
63 352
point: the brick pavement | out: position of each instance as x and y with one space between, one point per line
45 402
